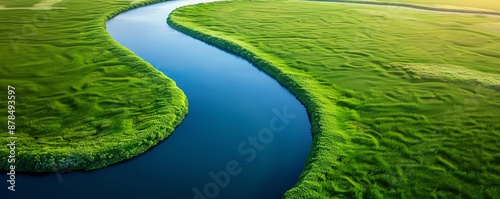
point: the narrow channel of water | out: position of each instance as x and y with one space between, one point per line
245 137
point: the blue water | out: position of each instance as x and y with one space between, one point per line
230 102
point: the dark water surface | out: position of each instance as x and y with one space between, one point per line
237 142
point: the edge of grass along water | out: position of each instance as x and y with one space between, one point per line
294 81
82 100
385 124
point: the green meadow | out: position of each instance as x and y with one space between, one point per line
485 5
81 100
403 103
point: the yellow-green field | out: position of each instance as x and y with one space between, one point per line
81 100
493 5
403 103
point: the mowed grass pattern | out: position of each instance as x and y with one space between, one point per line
82 100
393 95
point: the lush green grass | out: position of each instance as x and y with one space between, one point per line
458 7
451 73
82 100
452 4
402 102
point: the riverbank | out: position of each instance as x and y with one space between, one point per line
83 101
379 130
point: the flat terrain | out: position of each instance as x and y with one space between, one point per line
491 5
404 103
82 101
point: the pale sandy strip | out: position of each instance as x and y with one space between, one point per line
136 1
43 5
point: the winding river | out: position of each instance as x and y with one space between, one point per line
245 137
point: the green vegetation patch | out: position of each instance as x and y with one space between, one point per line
380 131
478 5
81 100
451 73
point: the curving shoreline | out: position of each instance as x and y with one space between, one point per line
293 82
245 93
92 158
315 104
239 106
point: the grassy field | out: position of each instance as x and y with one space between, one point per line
81 100
458 7
492 5
403 103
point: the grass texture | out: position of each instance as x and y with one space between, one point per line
82 100
485 5
478 6
403 103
